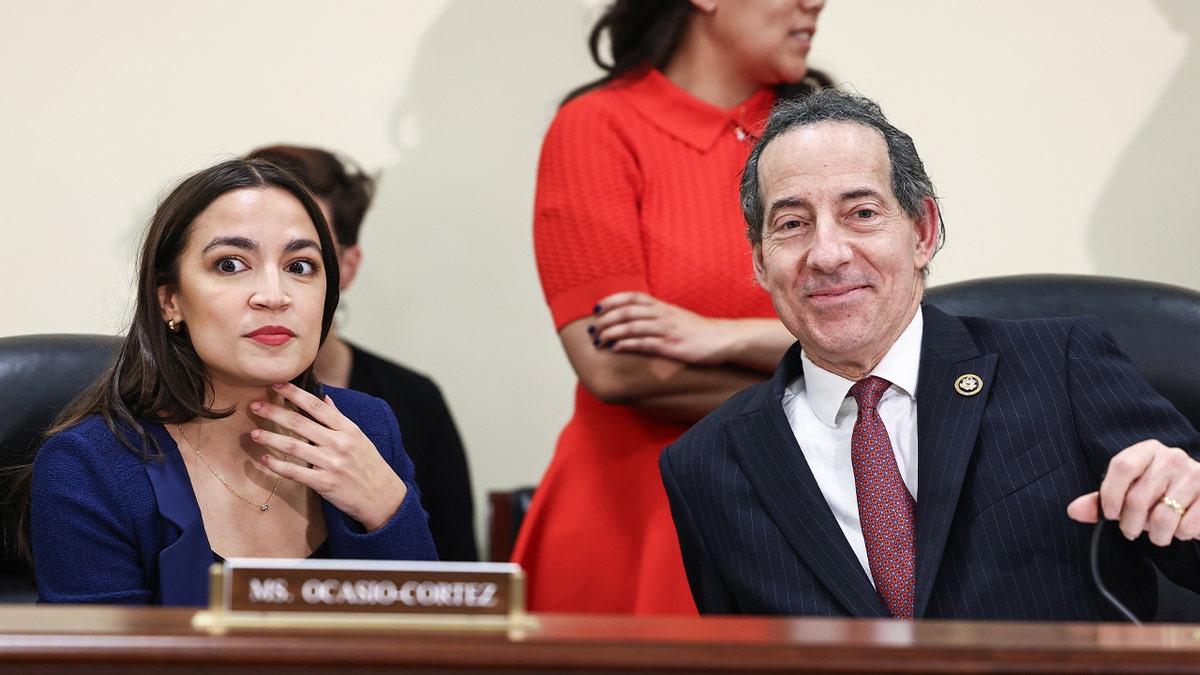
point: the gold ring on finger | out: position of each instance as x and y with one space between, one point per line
1175 506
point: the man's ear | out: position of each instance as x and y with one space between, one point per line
760 271
166 303
348 261
927 232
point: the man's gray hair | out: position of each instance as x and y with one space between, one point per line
910 183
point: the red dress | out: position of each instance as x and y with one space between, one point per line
637 191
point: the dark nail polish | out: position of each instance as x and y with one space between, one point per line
591 329
596 309
609 344
596 342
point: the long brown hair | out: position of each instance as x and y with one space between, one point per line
644 34
157 375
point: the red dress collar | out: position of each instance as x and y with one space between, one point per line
687 118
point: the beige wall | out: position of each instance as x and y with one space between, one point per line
1059 133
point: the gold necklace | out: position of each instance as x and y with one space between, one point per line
261 507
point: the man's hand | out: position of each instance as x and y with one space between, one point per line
1150 488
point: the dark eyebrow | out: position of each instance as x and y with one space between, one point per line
301 244
785 203
248 244
236 242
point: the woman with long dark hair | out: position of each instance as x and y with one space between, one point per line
639 242
209 436
344 192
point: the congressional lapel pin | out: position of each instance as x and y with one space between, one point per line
969 384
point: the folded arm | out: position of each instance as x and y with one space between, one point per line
659 385
638 323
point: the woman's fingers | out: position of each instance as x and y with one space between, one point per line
292 471
337 460
288 445
622 299
321 410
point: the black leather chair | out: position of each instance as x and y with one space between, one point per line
1157 325
39 374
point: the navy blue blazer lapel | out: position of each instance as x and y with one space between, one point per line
183 565
947 429
767 451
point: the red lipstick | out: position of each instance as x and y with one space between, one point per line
271 335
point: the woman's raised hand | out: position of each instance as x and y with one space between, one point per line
339 462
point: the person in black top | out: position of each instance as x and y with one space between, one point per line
427 429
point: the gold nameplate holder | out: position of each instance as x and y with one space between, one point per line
309 593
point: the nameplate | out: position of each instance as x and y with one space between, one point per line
272 591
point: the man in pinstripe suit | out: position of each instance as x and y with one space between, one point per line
1000 430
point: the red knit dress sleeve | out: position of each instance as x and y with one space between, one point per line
586 222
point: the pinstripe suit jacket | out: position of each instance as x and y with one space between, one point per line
995 473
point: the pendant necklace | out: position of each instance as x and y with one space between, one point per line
261 507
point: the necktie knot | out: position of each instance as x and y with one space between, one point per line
868 391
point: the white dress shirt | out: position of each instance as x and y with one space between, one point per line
822 416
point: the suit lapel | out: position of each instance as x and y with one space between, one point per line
766 449
183 564
947 428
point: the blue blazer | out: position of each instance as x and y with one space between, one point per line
111 528
995 472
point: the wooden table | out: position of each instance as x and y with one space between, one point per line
142 640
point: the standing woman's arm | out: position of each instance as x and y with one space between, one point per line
636 351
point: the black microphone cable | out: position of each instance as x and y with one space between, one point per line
1095 560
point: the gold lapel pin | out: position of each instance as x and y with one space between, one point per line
969 384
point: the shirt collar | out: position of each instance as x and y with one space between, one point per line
900 366
687 118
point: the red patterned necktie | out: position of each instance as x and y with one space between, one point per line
885 507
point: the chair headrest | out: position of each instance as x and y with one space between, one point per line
1157 325
39 374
